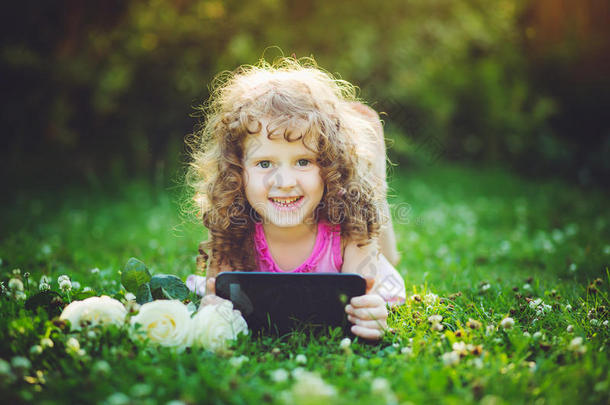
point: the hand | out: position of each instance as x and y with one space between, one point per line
210 297
369 314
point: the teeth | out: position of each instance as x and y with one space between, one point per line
285 201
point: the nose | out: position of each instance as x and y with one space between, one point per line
282 177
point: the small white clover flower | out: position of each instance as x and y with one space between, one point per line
72 345
75 285
46 342
527 334
430 299
345 343
280 375
20 364
15 284
35 350
238 361
535 303
568 307
435 318
44 286
65 285
573 267
407 350
485 287
605 323
16 272
437 327
451 358
570 329
489 329
20 295
527 286
94 271
507 323
63 277
577 346
101 367
301 359
537 335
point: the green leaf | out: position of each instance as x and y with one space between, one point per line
144 295
170 286
81 295
134 275
49 300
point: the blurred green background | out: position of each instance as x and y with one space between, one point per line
100 91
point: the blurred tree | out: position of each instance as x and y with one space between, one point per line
93 88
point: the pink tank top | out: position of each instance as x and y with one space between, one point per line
325 258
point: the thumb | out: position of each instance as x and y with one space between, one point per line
211 285
369 284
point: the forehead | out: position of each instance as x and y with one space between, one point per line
259 145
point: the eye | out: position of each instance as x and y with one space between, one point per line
303 162
264 164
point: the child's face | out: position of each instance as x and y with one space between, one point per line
282 179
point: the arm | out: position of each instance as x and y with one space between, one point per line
368 313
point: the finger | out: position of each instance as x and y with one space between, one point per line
374 313
366 333
377 324
370 282
368 300
211 285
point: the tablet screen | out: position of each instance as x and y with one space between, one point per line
283 302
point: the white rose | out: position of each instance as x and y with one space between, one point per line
215 324
166 322
95 311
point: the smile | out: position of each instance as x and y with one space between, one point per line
286 202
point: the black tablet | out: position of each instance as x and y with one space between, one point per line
282 302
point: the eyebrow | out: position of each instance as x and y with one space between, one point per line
269 157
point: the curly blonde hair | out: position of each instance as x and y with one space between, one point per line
303 103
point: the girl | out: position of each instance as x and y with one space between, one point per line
289 175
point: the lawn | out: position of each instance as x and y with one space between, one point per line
478 246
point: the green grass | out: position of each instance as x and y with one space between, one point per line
476 238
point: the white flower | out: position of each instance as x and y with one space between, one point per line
527 334
570 329
36 349
215 324
76 285
577 346
537 335
94 311
15 284
526 286
196 284
130 296
72 345
594 322
435 318
605 323
345 343
309 388
430 299
20 364
407 350
20 295
238 361
437 327
65 285
573 267
380 385
489 329
459 348
101 367
280 375
63 277
94 271
507 323
44 286
568 307
451 358
301 359
535 303
166 322
46 342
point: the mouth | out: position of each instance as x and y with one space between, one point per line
287 202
